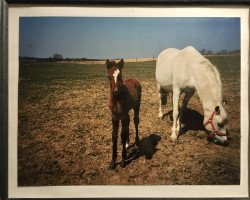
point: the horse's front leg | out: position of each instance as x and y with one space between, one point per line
176 123
124 136
115 123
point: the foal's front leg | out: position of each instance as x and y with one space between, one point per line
176 123
115 123
124 136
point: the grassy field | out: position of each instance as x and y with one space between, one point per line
64 131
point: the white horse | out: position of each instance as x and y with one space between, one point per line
184 71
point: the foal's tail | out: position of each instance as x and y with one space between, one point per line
139 90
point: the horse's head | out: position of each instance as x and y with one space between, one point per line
115 76
215 124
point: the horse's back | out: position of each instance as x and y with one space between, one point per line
165 58
175 65
164 69
194 56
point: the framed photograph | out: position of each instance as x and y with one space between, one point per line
124 100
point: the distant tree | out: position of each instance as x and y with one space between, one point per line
210 52
223 51
236 51
203 51
57 57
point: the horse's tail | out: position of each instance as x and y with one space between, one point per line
163 99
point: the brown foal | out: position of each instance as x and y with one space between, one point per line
124 96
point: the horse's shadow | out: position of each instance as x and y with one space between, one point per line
146 147
191 120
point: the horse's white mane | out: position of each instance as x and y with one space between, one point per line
211 70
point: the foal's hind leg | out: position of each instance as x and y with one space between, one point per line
162 99
124 136
115 123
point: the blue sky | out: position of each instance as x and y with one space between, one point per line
106 37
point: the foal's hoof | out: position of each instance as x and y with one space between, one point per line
123 163
137 143
112 166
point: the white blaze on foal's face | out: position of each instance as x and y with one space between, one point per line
115 74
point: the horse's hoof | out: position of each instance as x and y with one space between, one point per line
160 116
173 137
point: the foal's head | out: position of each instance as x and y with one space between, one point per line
115 75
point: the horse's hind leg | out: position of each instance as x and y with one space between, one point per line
162 99
176 126
124 136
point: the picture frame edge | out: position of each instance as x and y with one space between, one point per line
4 5
4 100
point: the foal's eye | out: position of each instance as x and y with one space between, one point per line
220 125
109 78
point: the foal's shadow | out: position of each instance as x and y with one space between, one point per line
146 147
191 120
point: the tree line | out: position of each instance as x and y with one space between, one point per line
58 57
223 51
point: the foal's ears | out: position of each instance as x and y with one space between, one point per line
108 64
217 110
120 64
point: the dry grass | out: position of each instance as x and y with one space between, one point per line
64 129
